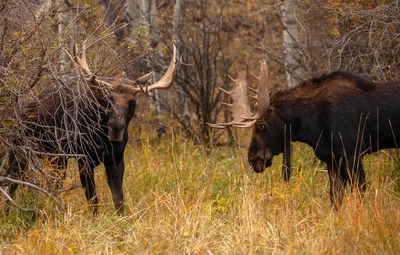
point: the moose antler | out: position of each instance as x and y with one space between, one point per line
82 63
168 79
240 108
262 93
164 83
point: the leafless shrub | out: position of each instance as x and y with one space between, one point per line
368 41
36 76
204 67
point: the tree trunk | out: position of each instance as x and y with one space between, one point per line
63 19
112 11
44 9
150 12
290 43
176 23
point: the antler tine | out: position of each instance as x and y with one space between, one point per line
240 107
82 63
227 92
167 80
81 60
230 77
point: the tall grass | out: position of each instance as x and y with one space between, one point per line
182 198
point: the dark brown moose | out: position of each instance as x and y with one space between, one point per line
340 115
94 129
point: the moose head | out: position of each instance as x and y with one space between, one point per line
122 92
267 129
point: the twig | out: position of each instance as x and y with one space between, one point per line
17 205
72 187
30 185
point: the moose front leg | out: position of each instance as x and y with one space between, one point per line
115 167
86 174
115 175
337 184
16 169
356 175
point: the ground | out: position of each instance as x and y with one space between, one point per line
185 199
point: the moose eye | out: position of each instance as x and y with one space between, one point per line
261 127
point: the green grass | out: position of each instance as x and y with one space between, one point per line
182 198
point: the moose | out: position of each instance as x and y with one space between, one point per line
94 129
342 116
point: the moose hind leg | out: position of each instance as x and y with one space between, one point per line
86 174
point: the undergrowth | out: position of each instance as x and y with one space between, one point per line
183 198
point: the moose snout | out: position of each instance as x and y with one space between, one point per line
260 161
116 133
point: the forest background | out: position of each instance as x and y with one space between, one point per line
214 203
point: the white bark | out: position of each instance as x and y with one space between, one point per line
149 9
176 24
290 43
43 11
62 19
150 12
44 8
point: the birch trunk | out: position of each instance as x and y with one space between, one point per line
176 24
44 8
150 12
290 43
62 19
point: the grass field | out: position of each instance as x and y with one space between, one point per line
184 199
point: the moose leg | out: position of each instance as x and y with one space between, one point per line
286 166
60 167
115 166
16 169
357 175
115 174
337 184
86 174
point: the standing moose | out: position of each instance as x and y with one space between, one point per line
340 115
95 128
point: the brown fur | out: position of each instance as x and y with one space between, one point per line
340 115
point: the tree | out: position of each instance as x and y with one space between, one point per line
366 38
203 49
177 19
290 43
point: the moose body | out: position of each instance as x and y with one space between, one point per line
89 122
100 135
340 115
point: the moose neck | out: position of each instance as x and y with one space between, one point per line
297 114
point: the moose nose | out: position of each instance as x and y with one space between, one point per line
258 166
116 133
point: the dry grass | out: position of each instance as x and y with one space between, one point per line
183 199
